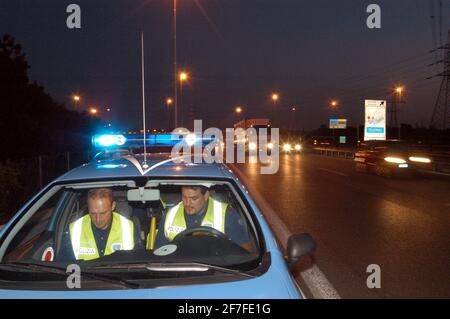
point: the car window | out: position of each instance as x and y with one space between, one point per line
35 232
235 243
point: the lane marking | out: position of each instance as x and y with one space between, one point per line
314 278
318 283
334 172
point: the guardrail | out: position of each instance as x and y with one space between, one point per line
441 158
440 155
336 152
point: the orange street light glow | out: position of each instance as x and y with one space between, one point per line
183 76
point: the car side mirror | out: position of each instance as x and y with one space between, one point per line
299 245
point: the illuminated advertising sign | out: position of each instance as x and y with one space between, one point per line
375 120
338 123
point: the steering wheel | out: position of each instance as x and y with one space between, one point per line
201 229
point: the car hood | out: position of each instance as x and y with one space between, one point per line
274 284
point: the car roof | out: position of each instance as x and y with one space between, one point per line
159 165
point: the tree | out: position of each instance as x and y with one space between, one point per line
32 122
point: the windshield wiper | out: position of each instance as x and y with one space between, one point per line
62 271
174 267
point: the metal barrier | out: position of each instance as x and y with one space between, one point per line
440 155
441 158
336 152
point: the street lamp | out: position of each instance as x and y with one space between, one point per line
175 68
183 76
169 102
238 110
275 97
399 90
334 104
76 99
93 111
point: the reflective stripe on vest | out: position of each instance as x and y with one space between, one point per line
214 218
121 237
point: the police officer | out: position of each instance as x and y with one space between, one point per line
196 209
99 233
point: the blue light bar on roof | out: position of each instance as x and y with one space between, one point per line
137 140
107 140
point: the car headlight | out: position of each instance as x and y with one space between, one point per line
396 160
287 147
298 147
419 159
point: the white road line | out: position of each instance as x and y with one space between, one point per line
314 278
334 172
318 284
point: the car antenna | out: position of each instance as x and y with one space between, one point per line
143 99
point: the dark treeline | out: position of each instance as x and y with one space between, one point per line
32 124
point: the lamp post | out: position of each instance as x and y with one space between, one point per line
275 97
399 90
183 77
169 102
76 99
238 110
175 69
333 105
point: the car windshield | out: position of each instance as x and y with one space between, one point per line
118 223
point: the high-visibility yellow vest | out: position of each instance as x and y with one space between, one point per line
121 237
214 218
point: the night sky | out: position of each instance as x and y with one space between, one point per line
237 52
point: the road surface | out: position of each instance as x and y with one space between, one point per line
359 219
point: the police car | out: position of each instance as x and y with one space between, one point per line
207 261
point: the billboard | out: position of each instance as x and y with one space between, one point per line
375 120
338 123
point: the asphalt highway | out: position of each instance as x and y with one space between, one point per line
359 219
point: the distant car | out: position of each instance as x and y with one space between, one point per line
391 157
204 264
291 146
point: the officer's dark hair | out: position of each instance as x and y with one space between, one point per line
96 193
203 189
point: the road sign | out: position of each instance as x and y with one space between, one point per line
338 123
375 120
